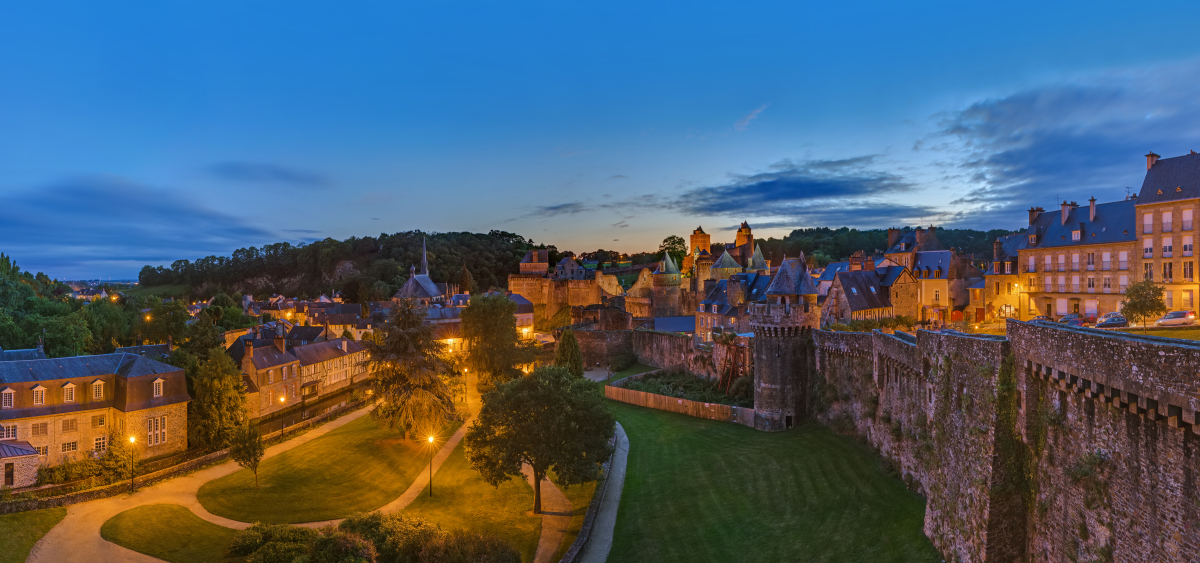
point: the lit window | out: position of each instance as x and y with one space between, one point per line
98 421
98 390
101 443
42 450
6 399
39 396
69 393
158 387
8 432
70 446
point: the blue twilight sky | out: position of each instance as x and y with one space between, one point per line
143 132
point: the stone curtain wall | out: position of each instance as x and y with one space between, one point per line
786 379
602 345
555 294
669 349
1109 422
928 404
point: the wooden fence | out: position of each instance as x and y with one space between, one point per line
711 411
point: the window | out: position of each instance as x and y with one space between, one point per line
1189 271
1008 288
1008 267
70 447
1187 219
1106 261
70 425
1169 298
98 390
98 421
1148 248
1122 282
8 432
1074 262
101 444
1168 247
1147 223
1166 222
39 396
156 430
1032 264
1074 284
1091 284
1062 283
1148 272
1187 245
270 376
42 450
997 288
40 429
1168 271
1107 283
6 399
1074 235
1032 239
69 393
937 295
1091 260
1187 299
158 387
1123 260
1048 282
1048 261
1062 262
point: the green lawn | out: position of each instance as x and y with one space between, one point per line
1183 333
462 500
169 532
356 468
635 369
699 490
580 497
23 529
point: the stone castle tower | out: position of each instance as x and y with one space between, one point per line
783 351
701 243
744 236
665 298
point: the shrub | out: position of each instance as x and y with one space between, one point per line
674 382
742 388
278 552
339 546
258 536
622 361
466 547
397 538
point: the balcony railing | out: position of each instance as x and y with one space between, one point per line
1062 267
1049 288
1123 265
1147 253
1147 229
1167 253
1108 290
1091 290
1106 266
1074 288
1167 227
1091 267
1062 288
1187 225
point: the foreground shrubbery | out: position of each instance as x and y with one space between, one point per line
867 325
683 385
369 538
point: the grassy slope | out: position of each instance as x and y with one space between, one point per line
356 468
631 370
580 497
698 490
169 532
157 290
464 501
20 531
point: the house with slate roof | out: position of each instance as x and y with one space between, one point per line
569 269
866 289
54 410
1166 210
280 376
1078 259
1002 286
726 307
26 354
421 288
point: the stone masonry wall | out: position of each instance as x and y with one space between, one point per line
602 345
667 349
1109 420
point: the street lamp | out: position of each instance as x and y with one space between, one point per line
131 441
431 466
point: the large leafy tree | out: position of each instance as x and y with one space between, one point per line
246 448
549 420
406 359
567 354
218 404
494 347
1143 301
466 282
166 318
676 246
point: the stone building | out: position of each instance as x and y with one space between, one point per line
782 348
1079 259
701 243
1002 284
726 306
904 244
61 409
1166 209
535 263
422 289
665 297
864 291
569 269
280 376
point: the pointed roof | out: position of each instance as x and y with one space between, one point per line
667 266
792 279
756 261
699 231
726 262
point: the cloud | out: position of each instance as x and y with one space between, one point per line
617 177
559 209
302 231
1070 140
261 172
104 226
745 121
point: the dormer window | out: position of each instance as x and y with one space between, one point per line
854 290
39 395
1032 239
69 393
6 399
98 390
1075 235
872 290
158 387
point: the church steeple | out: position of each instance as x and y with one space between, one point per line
424 259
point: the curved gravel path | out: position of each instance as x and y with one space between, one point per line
600 541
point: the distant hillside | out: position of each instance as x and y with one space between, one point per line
831 245
367 268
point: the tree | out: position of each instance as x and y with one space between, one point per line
466 282
405 358
676 246
567 354
1143 300
166 318
246 448
549 420
218 404
495 350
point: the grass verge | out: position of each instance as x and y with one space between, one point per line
1181 333
356 468
580 497
463 501
169 532
23 529
635 369
699 490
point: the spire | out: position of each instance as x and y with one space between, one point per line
757 262
424 259
412 271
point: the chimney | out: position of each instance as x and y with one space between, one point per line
170 345
996 246
345 345
1092 214
281 344
1151 158
1033 213
248 358
1066 209
893 237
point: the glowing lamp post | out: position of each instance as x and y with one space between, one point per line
431 466
131 442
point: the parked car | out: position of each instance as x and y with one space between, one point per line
1070 317
1111 315
1076 322
1042 318
1112 322
1177 318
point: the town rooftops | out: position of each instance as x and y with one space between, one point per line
305 333
756 261
27 354
124 365
1115 222
792 278
324 351
1009 247
935 264
726 262
1170 179
535 257
16 448
155 351
917 239
863 291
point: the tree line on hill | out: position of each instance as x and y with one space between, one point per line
825 245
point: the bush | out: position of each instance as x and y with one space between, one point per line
622 361
466 547
397 538
278 552
257 536
683 385
339 546
742 388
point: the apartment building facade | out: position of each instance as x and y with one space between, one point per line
61 409
1165 214
280 376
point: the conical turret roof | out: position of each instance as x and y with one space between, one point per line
757 262
726 262
792 279
667 266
